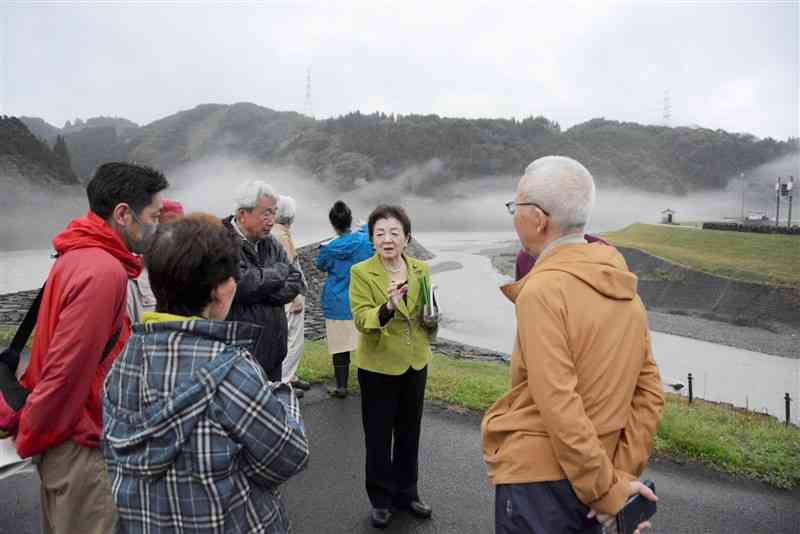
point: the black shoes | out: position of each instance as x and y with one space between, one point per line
420 509
339 393
341 374
299 384
380 517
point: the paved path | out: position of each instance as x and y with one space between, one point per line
329 498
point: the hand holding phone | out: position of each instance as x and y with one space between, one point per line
637 510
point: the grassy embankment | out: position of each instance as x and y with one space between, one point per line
735 442
763 258
738 443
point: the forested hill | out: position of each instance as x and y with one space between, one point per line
356 148
24 157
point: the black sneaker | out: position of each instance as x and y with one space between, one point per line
380 517
299 384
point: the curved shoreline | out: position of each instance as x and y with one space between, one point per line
785 342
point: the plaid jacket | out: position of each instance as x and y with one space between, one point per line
194 437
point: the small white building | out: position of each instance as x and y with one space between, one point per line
668 216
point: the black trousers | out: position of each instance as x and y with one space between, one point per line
391 411
541 508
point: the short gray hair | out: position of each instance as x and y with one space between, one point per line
563 187
247 194
287 207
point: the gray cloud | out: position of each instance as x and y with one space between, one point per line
726 65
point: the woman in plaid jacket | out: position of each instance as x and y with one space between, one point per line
195 437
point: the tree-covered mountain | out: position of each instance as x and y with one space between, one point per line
90 142
38 190
354 149
29 158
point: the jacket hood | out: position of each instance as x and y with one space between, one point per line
346 245
90 231
149 441
600 266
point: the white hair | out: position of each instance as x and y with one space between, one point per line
287 207
562 187
247 194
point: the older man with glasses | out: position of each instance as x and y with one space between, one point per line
566 445
525 261
267 278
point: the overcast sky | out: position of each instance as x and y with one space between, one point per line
726 65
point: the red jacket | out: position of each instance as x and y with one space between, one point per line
82 306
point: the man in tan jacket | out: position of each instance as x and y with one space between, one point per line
566 445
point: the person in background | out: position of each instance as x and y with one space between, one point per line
295 310
525 261
79 332
393 355
335 258
194 436
140 296
267 279
565 446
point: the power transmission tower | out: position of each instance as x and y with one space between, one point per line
308 108
667 109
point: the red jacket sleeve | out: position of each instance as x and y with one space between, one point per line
90 313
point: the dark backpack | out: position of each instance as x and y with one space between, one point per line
13 394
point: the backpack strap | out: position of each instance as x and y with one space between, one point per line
111 344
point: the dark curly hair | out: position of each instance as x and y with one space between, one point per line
187 259
384 211
118 182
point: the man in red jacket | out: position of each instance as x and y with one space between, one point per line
79 331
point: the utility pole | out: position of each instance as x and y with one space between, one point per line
741 175
667 112
789 187
308 108
778 201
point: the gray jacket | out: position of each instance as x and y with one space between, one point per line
267 281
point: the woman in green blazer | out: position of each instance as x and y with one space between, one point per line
386 296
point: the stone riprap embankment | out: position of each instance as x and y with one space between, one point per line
13 306
694 304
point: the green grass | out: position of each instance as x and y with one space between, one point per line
7 334
466 384
764 258
729 440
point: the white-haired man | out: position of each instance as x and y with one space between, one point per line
295 310
267 278
566 445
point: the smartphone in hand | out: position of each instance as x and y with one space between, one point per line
637 510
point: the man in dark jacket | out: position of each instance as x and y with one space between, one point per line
267 279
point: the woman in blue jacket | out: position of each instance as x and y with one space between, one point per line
335 258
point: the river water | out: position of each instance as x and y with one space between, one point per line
477 314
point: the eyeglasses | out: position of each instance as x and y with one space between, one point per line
511 206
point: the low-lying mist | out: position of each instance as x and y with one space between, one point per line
475 205
32 216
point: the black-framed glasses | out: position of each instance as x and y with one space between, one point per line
511 206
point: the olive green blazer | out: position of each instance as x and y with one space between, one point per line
403 342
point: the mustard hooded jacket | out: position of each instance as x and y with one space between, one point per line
586 395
